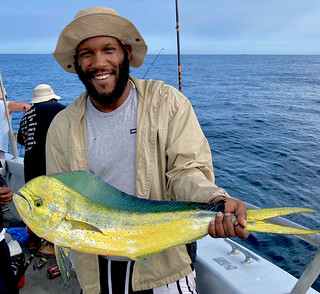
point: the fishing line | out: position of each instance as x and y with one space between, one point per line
152 63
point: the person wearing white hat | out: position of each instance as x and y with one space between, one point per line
141 136
33 129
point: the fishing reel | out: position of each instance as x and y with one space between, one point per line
40 264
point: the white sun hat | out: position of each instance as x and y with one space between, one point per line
43 93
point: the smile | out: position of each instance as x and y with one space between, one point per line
102 77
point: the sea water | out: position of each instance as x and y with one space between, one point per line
260 113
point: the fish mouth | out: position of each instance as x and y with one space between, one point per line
19 195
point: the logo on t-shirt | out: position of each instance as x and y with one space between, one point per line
133 131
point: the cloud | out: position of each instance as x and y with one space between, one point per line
206 26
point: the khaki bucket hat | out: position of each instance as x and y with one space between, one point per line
43 93
94 22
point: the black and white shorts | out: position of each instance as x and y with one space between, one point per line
115 278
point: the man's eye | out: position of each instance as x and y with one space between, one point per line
38 202
109 49
84 54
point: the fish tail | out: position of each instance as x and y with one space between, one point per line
264 227
255 221
265 213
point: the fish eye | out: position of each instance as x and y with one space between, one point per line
38 202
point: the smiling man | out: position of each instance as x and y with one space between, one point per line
104 71
142 137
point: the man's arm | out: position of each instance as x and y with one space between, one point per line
190 174
18 106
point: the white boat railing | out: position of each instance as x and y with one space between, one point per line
312 271
12 134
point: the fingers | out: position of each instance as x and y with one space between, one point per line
5 195
241 232
241 213
5 200
224 226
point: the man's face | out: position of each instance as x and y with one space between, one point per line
103 67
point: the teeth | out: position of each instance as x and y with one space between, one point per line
102 77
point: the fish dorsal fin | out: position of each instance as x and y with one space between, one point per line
91 187
94 189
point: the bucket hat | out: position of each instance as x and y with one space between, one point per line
94 22
43 93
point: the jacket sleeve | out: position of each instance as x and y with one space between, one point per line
56 153
190 173
66 147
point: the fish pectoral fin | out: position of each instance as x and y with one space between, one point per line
264 227
62 257
265 213
82 226
143 259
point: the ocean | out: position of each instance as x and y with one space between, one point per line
260 113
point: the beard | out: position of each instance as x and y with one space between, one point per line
108 98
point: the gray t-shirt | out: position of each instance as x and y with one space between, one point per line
111 143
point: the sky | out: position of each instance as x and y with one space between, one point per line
206 26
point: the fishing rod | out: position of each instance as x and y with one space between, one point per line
152 63
12 136
178 46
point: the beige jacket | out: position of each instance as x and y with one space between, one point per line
173 161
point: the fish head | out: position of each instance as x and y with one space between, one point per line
41 205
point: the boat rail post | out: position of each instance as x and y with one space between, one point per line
12 135
308 277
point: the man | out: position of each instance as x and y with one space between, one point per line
34 127
141 137
4 127
8 281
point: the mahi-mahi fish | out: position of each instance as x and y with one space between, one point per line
78 210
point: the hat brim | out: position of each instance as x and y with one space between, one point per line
94 25
44 98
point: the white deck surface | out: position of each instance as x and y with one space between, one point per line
218 272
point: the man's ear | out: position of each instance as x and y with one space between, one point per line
128 49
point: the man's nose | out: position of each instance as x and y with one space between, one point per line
99 60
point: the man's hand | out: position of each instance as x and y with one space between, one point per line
224 227
5 195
